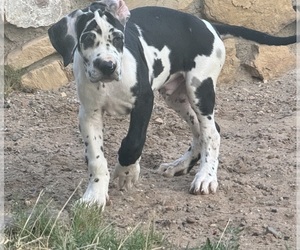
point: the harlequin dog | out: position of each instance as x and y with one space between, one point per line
120 58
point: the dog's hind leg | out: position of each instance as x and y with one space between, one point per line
175 95
202 98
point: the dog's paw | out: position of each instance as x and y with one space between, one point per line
205 182
169 169
128 176
97 193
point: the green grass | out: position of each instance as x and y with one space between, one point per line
84 228
12 80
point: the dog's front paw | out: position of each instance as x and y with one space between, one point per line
97 193
128 176
205 182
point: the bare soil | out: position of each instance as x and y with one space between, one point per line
257 171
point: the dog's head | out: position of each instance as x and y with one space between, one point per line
98 34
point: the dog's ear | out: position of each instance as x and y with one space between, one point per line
63 35
119 9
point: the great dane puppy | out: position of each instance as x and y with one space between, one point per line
120 58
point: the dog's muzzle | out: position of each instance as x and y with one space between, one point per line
106 67
103 71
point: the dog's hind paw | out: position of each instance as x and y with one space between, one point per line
204 183
128 176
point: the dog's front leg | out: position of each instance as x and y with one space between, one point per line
129 154
91 128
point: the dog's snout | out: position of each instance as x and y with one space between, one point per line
106 67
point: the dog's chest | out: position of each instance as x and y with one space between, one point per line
113 97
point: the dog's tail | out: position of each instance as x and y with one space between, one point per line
253 35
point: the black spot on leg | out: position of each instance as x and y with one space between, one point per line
209 117
96 180
86 160
91 175
206 94
98 156
86 144
101 148
192 119
127 172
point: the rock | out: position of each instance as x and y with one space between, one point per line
273 231
270 61
159 120
232 63
264 15
46 77
30 53
35 13
179 5
190 220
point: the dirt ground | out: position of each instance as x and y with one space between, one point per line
257 184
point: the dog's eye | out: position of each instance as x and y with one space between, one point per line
118 42
88 40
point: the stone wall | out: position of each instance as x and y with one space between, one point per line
44 70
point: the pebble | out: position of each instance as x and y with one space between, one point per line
159 120
190 220
274 232
274 210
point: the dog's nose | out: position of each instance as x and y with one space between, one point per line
106 67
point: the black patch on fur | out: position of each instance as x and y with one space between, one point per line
160 27
63 43
206 95
96 180
91 26
118 41
81 23
157 67
88 40
192 118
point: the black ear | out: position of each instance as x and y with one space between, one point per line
65 33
